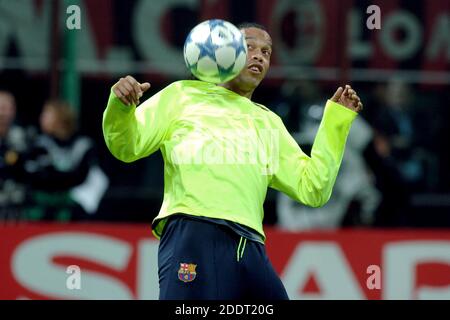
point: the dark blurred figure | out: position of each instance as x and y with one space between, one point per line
13 142
354 199
62 170
399 156
296 98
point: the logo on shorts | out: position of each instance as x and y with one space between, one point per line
187 273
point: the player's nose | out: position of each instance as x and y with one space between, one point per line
257 56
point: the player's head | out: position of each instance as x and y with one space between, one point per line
259 45
58 119
7 111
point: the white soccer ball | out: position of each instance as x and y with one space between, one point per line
215 51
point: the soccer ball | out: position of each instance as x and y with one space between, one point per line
215 51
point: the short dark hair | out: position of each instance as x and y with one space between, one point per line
245 25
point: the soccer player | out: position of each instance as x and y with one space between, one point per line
221 152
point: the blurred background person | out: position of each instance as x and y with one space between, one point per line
295 97
355 199
62 169
13 142
400 157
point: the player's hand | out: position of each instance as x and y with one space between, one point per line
348 98
129 90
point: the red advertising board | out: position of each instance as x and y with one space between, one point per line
120 262
148 36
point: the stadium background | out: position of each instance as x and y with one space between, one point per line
319 44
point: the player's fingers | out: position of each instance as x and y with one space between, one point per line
117 91
137 91
337 94
120 96
130 79
123 95
133 87
133 82
347 88
346 91
130 90
145 86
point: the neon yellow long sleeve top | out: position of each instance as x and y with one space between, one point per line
222 151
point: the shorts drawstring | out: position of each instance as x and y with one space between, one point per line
240 250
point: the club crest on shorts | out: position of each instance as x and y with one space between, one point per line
187 273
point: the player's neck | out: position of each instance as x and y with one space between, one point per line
242 92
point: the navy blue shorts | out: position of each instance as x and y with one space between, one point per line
203 260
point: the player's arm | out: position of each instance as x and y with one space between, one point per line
132 133
310 180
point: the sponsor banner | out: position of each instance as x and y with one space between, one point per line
112 261
143 36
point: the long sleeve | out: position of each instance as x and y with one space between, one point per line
133 133
310 180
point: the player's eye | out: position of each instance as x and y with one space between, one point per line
267 52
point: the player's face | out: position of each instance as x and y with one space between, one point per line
259 46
